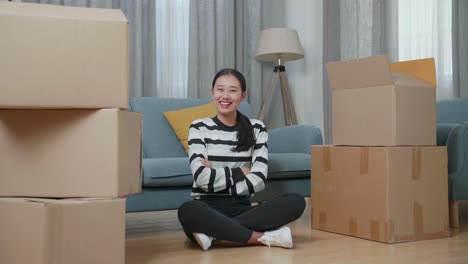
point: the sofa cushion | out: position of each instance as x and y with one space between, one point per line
180 120
158 172
288 165
293 139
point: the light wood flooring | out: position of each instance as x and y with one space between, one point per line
156 237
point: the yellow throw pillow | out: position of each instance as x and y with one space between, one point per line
180 120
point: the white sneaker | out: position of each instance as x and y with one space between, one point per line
203 240
278 238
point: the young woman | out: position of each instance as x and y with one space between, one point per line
229 162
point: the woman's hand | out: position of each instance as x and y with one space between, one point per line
206 163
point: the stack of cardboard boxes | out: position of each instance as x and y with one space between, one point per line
70 152
383 179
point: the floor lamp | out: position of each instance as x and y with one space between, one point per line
279 45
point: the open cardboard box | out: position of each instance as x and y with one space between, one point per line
375 103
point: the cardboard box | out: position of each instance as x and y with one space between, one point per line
375 103
63 57
70 153
44 231
386 194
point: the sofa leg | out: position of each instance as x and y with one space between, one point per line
453 214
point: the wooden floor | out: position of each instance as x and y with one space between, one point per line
156 237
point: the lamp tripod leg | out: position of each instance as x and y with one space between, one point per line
288 105
271 85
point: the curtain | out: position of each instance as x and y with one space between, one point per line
459 48
331 52
225 33
141 16
362 28
424 30
352 29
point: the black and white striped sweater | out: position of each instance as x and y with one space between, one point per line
210 139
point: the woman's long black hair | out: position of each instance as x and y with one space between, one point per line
245 136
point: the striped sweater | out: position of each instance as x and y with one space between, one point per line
210 139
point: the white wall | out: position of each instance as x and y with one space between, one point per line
305 76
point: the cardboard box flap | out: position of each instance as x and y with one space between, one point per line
371 71
423 69
402 79
55 11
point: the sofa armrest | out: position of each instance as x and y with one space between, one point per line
455 137
293 139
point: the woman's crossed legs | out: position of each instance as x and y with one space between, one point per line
246 225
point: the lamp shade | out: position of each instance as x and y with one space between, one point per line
279 43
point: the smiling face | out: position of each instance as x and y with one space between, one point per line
227 95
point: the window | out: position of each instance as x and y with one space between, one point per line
425 30
172 38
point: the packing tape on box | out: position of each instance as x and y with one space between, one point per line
416 173
322 219
353 226
388 230
418 221
326 159
364 151
418 232
441 234
375 230
53 233
312 215
141 156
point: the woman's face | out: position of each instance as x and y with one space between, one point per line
227 94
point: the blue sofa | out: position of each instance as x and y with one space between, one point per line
452 131
167 179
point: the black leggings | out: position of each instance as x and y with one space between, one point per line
234 219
